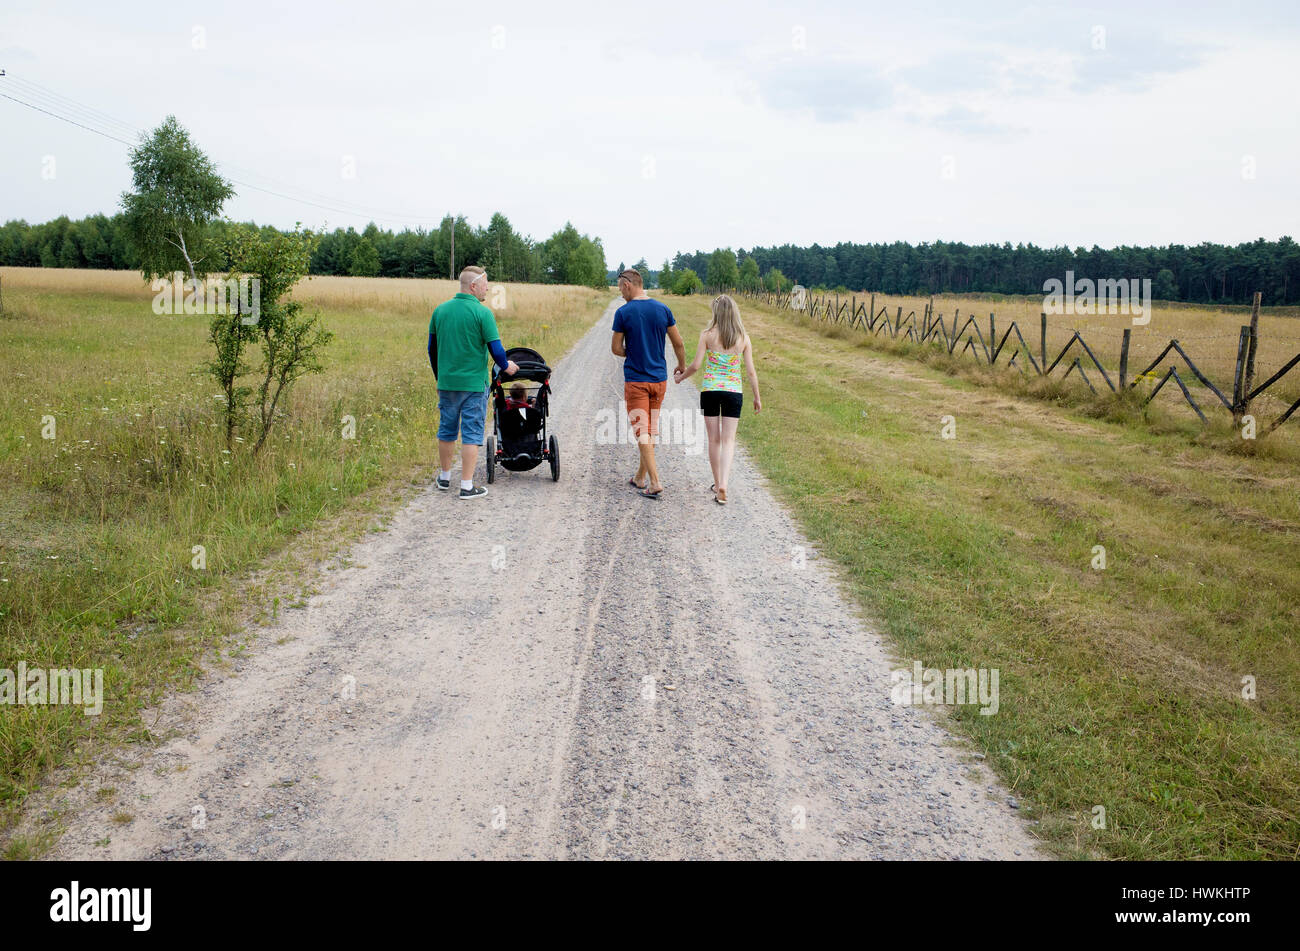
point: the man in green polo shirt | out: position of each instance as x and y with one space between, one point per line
462 333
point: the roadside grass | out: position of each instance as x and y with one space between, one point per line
98 526
1120 688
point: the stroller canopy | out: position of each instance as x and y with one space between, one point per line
532 366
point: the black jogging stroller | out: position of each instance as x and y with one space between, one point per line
519 440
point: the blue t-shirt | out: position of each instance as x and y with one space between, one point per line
644 325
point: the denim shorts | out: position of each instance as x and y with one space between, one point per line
463 411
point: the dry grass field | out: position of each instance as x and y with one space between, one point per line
526 308
1209 335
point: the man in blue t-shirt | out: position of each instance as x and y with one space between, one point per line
640 327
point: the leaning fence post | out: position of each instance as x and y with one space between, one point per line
993 339
1249 379
1239 390
1123 358
1042 340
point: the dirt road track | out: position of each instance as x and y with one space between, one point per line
507 711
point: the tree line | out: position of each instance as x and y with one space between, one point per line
1205 273
103 241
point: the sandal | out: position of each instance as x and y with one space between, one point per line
651 495
721 497
633 484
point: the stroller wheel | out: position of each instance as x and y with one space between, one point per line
555 459
490 451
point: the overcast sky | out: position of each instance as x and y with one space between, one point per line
667 127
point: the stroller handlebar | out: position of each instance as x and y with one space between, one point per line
528 370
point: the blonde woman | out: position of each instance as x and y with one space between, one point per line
724 345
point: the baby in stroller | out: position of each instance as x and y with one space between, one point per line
519 439
518 398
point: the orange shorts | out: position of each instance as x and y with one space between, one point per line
643 402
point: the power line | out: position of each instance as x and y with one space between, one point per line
355 209
65 119
88 113
53 100
342 211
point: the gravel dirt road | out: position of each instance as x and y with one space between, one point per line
561 670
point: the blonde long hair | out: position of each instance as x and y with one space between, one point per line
726 321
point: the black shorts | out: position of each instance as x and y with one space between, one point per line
721 403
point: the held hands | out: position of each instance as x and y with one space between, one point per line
679 374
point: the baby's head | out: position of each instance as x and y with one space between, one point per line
518 393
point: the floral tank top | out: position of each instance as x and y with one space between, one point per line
721 371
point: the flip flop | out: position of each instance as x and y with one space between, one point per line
651 495
633 484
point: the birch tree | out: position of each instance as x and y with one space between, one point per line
176 194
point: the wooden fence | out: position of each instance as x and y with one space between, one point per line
933 330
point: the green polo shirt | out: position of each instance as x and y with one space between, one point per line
463 328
